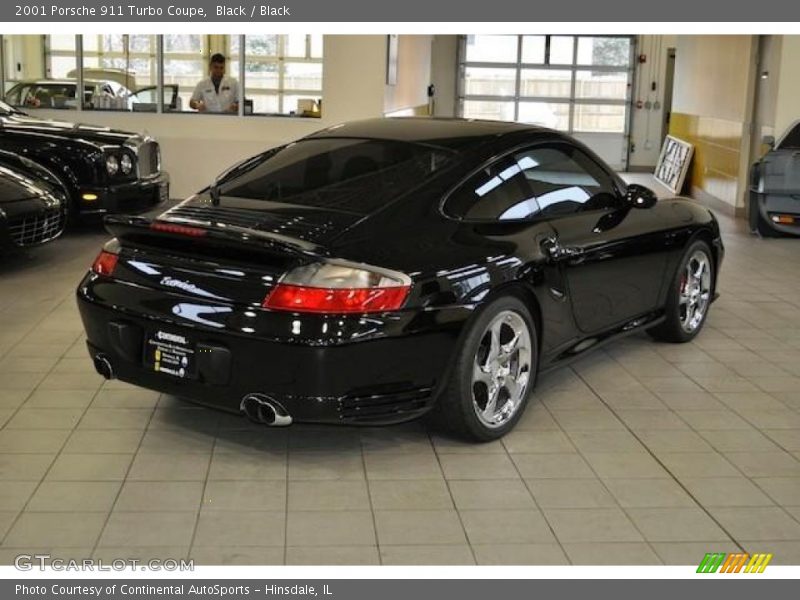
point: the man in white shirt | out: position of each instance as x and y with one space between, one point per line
216 93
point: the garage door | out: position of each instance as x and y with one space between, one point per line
577 84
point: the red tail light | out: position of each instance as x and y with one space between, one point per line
105 263
335 300
336 287
178 229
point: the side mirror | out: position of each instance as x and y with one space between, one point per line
768 140
639 196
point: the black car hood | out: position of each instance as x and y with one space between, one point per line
315 225
90 133
14 187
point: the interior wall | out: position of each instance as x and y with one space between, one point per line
195 148
444 74
410 93
787 106
712 109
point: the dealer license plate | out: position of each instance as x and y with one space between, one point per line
171 354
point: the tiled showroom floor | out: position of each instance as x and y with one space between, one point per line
642 453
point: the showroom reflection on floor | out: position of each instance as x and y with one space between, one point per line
641 453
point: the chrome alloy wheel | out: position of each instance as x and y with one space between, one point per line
501 369
695 291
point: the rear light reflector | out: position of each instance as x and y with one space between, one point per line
300 298
178 229
784 219
105 263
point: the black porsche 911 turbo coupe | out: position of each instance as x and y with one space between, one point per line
378 269
32 204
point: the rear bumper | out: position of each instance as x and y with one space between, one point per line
388 376
134 197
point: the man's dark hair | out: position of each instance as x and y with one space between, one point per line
217 58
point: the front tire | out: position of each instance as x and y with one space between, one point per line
494 372
689 296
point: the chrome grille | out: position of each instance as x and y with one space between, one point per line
149 159
36 229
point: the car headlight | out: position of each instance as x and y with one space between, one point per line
126 164
112 165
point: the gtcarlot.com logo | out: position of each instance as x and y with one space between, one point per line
737 562
29 562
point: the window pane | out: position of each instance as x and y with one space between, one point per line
547 114
186 73
564 182
608 51
491 48
600 84
62 42
352 175
316 46
302 76
192 44
498 192
533 49
295 46
497 110
488 81
600 118
263 102
260 45
546 82
561 47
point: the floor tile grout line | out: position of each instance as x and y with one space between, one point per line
369 499
124 480
663 466
57 455
203 492
453 500
597 475
536 503
723 454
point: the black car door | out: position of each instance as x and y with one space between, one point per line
612 256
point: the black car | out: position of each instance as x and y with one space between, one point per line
32 204
103 170
774 207
375 270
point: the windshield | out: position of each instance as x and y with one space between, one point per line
353 175
791 140
5 109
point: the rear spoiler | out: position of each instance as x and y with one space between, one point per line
232 236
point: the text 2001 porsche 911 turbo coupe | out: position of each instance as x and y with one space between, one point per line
378 269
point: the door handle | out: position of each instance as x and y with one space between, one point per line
555 251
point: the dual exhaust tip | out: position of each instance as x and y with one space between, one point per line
260 408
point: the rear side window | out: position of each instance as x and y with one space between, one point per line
792 139
545 181
352 175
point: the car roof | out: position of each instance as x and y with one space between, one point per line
449 133
64 81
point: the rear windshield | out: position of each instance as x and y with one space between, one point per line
352 175
792 139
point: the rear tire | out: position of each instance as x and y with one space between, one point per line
493 374
689 296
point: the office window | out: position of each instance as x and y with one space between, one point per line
116 67
571 83
282 73
185 64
